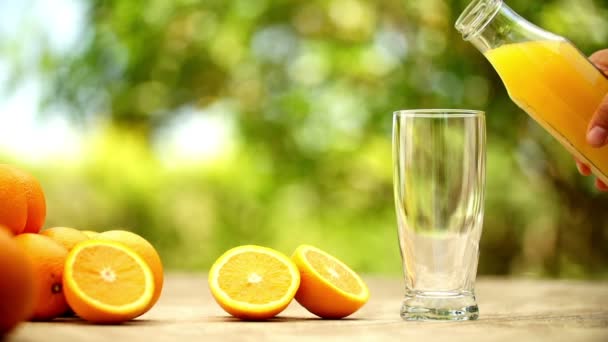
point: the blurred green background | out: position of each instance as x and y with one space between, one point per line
208 124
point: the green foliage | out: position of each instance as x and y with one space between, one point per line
313 85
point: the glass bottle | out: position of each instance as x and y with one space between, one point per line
544 74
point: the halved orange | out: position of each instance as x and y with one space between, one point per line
329 288
106 282
253 282
144 249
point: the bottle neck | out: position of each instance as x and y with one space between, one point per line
488 24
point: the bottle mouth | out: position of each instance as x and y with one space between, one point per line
476 16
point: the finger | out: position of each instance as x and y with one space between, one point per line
583 169
601 185
600 59
597 135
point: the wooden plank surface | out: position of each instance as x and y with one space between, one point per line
513 310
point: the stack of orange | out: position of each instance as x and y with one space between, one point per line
46 273
256 283
117 275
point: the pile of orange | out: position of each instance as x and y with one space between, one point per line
115 276
107 277
257 283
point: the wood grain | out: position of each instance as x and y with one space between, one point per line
513 310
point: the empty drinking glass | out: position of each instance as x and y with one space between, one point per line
439 181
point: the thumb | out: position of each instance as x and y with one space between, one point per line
600 59
597 135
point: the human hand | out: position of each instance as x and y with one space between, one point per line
597 134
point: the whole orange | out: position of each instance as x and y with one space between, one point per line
34 195
17 284
48 258
13 201
65 236
89 233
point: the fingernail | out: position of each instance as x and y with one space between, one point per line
583 169
580 169
601 185
597 136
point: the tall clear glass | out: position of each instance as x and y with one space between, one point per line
439 181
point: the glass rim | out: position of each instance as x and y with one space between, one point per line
439 113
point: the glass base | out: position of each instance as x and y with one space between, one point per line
437 306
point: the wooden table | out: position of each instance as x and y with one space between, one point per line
510 310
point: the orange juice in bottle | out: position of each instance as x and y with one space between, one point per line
545 75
